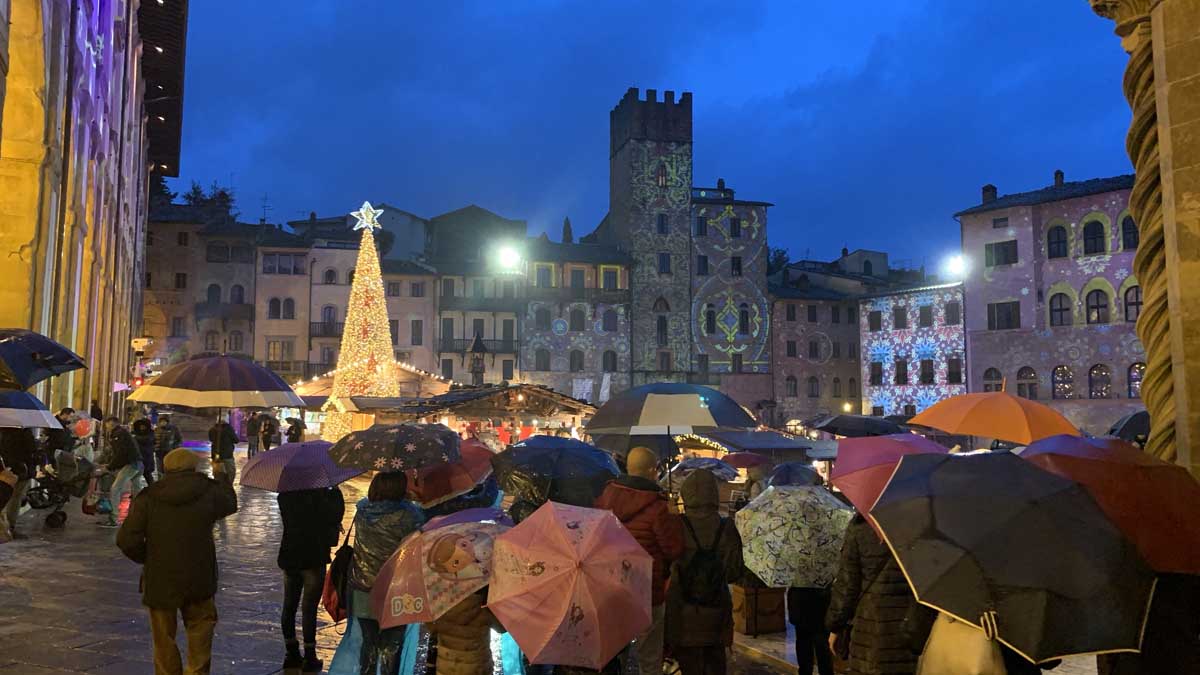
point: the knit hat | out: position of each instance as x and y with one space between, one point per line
181 459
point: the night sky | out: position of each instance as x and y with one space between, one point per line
868 124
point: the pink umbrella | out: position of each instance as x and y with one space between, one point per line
435 569
571 585
745 460
865 465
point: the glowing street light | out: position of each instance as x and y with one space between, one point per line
955 267
508 258
846 407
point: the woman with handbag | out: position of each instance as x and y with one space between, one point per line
948 646
312 522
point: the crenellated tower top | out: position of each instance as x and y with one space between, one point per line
635 118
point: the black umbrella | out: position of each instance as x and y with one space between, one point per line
794 473
619 446
218 382
397 447
1021 553
668 408
1134 427
27 358
854 426
564 470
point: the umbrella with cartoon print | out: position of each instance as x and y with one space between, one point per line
397 447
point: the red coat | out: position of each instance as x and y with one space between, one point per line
641 506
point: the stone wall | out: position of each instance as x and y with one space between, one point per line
826 367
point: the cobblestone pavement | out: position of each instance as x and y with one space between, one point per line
69 601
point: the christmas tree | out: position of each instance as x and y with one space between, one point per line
366 363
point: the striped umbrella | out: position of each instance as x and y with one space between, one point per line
296 466
23 410
27 358
218 382
668 408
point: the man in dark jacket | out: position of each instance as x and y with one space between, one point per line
61 440
222 441
125 463
267 428
312 521
166 439
700 630
253 427
170 532
639 503
18 452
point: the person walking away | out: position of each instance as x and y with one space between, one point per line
166 439
295 431
169 532
1171 639
870 595
699 614
222 441
312 521
267 429
143 435
253 426
382 520
806 608
18 450
125 463
641 505
464 637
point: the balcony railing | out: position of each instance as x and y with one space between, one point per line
477 304
610 296
326 328
318 369
285 367
458 346
224 310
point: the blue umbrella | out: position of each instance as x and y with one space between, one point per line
554 468
794 473
27 358
23 410
720 469
296 466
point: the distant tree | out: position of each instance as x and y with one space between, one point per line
219 202
778 260
195 195
568 237
160 194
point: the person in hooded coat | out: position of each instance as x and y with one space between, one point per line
143 435
697 634
871 597
312 523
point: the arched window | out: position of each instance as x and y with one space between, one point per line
576 360
609 321
1136 372
350 277
1056 242
577 320
1100 381
236 342
710 320
853 388
609 361
1027 383
1060 310
1097 306
217 252
661 330
210 341
660 305
1093 238
237 294
814 387
1129 234
328 314
1063 381
837 387
329 276
868 268
541 319
660 175
541 359
791 388
273 308
1133 303
992 380
744 319
289 309
214 294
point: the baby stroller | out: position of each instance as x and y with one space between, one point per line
70 478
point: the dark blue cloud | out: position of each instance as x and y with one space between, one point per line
867 126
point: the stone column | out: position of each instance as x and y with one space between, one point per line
1162 84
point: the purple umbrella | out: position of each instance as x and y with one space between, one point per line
296 466
469 516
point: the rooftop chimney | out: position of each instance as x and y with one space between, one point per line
312 215
845 251
989 193
1058 178
720 183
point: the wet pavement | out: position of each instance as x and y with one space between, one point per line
69 600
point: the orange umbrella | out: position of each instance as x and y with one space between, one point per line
996 414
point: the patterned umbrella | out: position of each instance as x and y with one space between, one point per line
218 382
27 358
571 585
792 535
439 483
397 447
23 410
434 569
295 466
668 408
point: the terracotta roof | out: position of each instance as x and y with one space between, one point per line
1054 193
542 249
409 267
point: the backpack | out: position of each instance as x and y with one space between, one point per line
702 579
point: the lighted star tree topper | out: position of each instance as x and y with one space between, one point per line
366 362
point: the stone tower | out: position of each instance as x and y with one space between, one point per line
650 183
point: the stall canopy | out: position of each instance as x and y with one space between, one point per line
778 446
